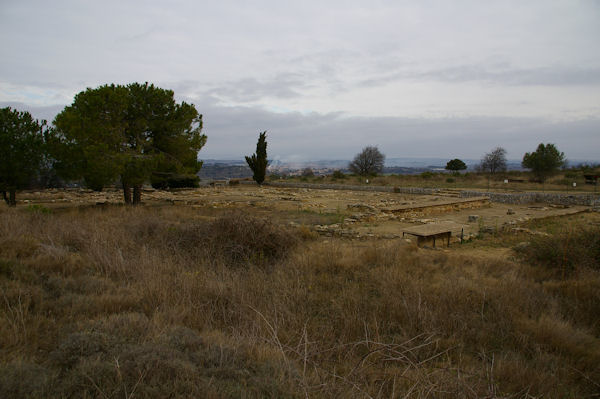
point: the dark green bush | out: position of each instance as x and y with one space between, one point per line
181 181
571 175
338 174
174 181
427 175
450 180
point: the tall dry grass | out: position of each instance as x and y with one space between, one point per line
166 302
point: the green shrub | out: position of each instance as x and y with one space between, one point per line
175 181
338 174
234 182
571 175
37 208
181 181
427 175
450 180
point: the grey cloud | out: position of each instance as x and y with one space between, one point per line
232 133
547 76
251 89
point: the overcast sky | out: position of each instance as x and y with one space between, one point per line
326 78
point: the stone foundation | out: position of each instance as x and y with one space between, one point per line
592 200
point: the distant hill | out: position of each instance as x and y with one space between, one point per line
224 171
237 168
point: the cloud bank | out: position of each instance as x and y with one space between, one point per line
428 78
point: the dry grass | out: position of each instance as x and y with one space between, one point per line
162 302
478 181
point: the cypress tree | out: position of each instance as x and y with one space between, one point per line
258 161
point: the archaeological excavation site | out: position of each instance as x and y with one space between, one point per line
297 290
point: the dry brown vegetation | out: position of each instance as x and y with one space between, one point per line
177 302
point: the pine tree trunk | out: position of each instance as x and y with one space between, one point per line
127 193
137 195
12 201
5 198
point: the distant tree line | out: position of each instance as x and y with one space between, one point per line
543 163
138 133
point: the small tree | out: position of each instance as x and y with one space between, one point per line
258 161
308 172
455 165
544 162
494 161
368 162
338 174
22 147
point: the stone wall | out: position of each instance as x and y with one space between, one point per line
506 198
386 189
530 197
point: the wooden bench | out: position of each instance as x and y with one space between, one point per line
430 232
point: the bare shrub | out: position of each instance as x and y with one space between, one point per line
239 240
123 356
21 379
565 252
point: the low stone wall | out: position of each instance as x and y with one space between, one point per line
505 198
433 208
529 198
385 189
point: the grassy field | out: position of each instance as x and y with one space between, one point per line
174 301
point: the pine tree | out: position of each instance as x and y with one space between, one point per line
258 161
22 147
544 162
129 132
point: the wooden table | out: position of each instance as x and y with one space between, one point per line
427 232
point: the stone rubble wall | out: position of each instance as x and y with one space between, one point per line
436 209
505 198
385 189
530 197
